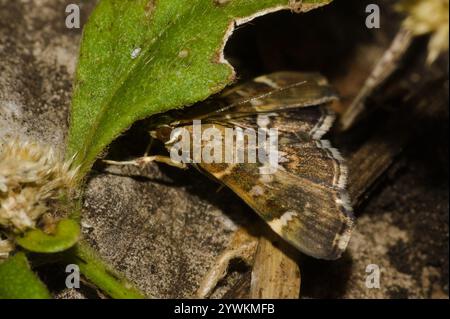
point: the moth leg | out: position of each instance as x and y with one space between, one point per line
143 161
242 246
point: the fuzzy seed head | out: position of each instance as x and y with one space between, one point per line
32 180
428 17
6 247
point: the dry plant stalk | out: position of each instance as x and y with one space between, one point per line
423 17
383 69
275 275
243 246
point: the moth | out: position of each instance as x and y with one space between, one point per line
305 200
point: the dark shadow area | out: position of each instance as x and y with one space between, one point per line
55 277
325 279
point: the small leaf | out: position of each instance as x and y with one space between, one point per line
17 280
100 274
143 57
66 235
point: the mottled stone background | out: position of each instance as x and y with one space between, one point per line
163 230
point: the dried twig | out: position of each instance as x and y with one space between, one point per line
275 275
242 246
383 69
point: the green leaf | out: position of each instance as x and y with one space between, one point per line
66 235
17 280
142 57
100 274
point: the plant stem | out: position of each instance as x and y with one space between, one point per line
100 274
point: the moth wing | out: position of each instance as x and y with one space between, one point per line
314 217
269 93
274 92
314 121
303 200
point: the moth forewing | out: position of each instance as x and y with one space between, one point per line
304 200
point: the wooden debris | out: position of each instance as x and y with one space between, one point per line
275 274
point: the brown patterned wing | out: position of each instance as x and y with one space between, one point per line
276 92
268 93
304 201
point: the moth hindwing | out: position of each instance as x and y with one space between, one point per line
304 200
